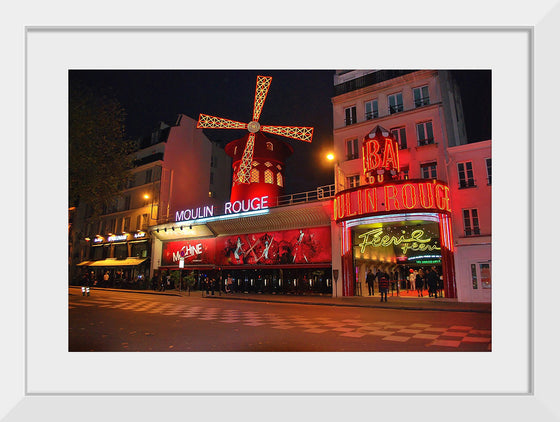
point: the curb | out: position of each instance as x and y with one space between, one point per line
298 301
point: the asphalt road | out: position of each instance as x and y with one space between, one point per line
120 321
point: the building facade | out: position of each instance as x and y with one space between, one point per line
174 167
422 112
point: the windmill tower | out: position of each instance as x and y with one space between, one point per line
258 160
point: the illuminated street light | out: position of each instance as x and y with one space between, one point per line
330 156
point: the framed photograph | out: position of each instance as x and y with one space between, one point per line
515 380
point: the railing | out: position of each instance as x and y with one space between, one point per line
428 141
319 194
467 184
419 102
372 115
397 108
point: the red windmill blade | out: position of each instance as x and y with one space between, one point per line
210 122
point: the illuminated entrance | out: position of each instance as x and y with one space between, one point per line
395 244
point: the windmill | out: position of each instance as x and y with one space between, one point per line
210 122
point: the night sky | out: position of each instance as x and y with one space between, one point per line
295 98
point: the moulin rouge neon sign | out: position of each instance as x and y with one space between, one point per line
236 207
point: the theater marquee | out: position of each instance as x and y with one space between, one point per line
404 195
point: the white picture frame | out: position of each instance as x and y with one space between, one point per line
23 398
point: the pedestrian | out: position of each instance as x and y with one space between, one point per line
383 283
370 278
433 280
412 279
105 279
420 283
212 285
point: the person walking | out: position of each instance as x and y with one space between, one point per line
383 283
420 283
432 282
412 280
370 278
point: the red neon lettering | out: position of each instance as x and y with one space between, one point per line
440 200
409 198
426 195
389 155
371 200
349 212
392 197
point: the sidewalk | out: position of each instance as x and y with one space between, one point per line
393 302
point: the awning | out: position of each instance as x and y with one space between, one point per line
84 263
113 262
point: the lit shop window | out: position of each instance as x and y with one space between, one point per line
372 110
424 133
429 171
268 164
481 275
489 170
470 221
268 176
350 115
421 96
352 151
280 181
466 175
400 135
255 176
395 103
353 181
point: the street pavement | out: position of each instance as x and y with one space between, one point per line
393 302
121 320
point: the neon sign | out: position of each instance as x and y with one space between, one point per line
117 237
380 153
405 195
139 235
187 251
414 242
230 208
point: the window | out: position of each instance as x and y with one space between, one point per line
211 194
139 222
353 181
481 272
111 227
400 135
211 177
350 115
470 221
268 176
466 176
429 170
489 170
118 229
127 202
403 175
352 152
424 133
126 227
144 221
148 176
279 180
214 161
474 277
372 111
255 176
421 96
395 103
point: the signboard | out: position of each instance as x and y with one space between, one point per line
403 195
303 246
230 208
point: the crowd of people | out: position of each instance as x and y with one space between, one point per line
417 280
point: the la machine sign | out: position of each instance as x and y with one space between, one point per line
230 208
